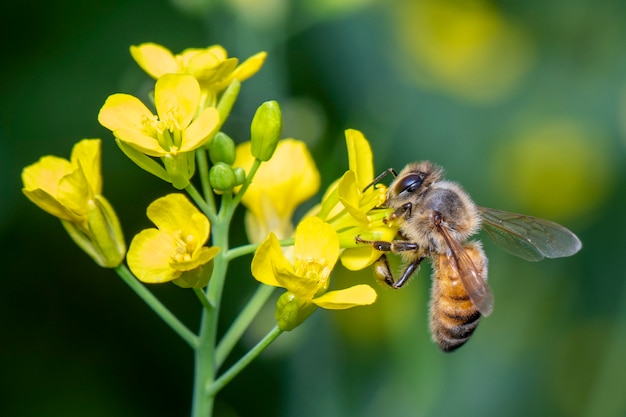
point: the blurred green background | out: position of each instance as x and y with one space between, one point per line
524 103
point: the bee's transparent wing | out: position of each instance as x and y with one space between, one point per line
528 237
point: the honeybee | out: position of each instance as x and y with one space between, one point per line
436 218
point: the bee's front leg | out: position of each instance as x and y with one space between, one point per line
393 246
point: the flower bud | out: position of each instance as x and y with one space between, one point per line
240 175
222 149
222 177
291 311
265 130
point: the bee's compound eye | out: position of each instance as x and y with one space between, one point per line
410 183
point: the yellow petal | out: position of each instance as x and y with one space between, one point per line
206 66
330 206
41 186
202 256
316 241
174 213
285 181
149 256
359 258
74 192
304 287
249 67
176 97
200 130
266 255
86 154
359 295
360 157
218 51
257 228
123 111
154 59
350 196
137 139
45 174
51 205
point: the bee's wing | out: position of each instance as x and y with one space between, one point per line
474 283
528 237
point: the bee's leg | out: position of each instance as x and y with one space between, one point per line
381 266
408 271
393 246
383 272
402 211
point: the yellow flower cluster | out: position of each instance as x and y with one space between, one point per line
185 97
189 244
270 177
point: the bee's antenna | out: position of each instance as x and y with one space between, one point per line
381 176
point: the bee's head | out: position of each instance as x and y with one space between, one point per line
414 179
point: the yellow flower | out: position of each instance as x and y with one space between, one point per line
175 246
351 210
316 251
279 186
211 66
172 134
71 190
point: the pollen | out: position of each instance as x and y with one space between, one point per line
151 124
185 246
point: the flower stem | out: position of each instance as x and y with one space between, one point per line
241 251
242 322
207 209
255 167
214 387
203 173
203 299
246 249
158 307
205 365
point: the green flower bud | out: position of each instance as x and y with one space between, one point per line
222 177
222 149
265 130
291 311
240 175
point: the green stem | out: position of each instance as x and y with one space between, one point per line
214 387
205 366
246 249
255 167
242 322
241 251
158 307
197 198
203 173
203 299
